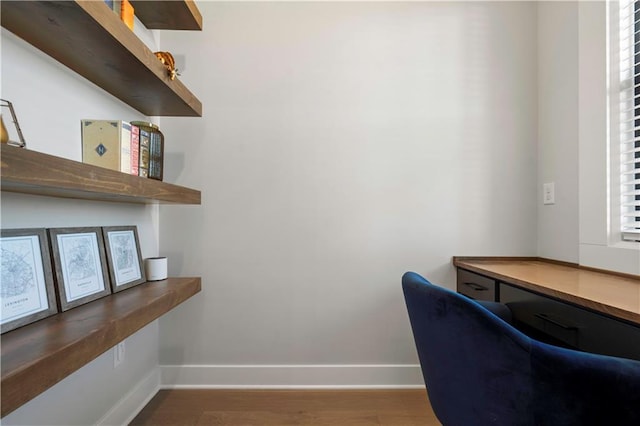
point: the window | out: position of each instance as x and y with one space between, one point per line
629 118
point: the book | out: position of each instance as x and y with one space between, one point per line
156 155
135 150
107 143
144 154
125 147
127 13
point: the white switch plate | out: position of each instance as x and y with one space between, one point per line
118 354
549 193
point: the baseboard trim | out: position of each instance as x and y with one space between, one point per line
133 402
385 376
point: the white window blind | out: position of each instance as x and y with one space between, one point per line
629 66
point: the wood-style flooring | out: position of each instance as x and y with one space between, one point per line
288 407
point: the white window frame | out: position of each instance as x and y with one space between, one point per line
600 242
624 115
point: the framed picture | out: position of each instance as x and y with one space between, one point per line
123 257
79 264
26 282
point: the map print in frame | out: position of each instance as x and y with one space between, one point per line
123 257
80 266
26 282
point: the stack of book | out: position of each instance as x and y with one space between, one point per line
135 147
153 148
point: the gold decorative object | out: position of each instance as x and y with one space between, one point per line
5 134
170 64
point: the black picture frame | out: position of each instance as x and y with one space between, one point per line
80 267
124 258
27 291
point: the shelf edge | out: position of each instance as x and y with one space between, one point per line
37 373
32 172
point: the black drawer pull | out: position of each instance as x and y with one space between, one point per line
554 321
476 287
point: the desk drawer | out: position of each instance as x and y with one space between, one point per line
476 286
570 325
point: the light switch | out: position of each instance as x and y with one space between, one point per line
118 354
549 193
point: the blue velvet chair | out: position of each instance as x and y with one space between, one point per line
479 370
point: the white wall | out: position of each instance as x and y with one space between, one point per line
342 144
558 129
50 100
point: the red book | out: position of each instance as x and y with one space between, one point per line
135 149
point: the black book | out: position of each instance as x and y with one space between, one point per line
156 156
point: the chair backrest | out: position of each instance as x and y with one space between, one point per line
479 370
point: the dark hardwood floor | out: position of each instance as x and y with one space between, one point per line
288 407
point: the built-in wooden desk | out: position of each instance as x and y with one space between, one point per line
582 308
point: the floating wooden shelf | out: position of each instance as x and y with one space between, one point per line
168 15
37 356
89 38
31 172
